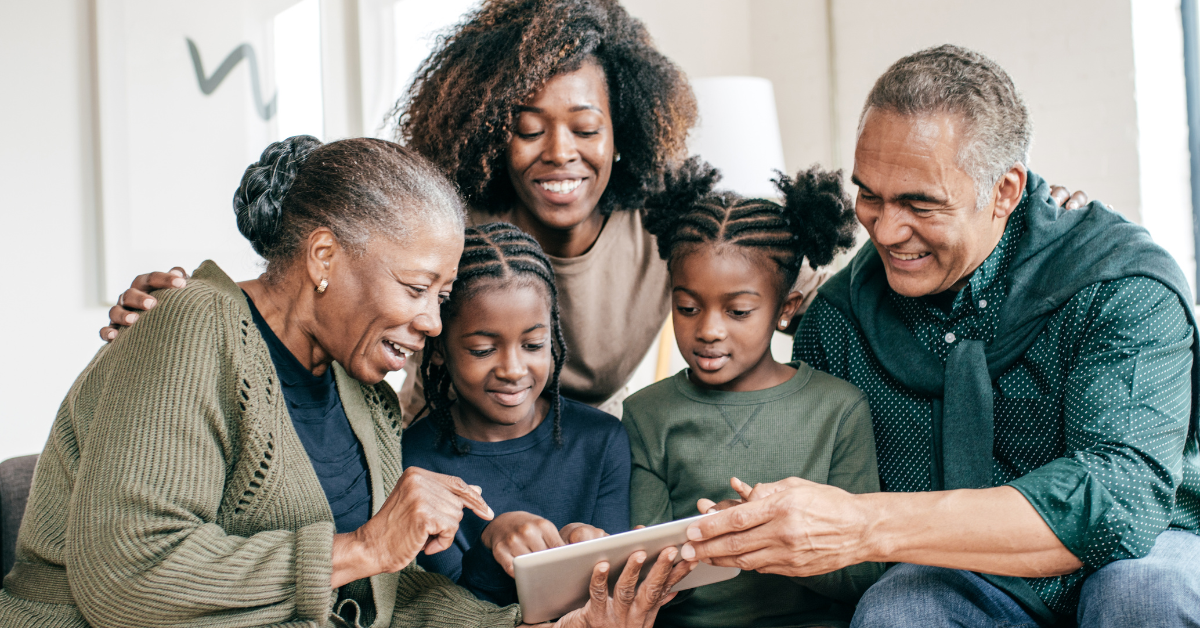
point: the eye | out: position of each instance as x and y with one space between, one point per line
740 313
529 136
534 346
443 297
687 310
481 353
587 133
416 290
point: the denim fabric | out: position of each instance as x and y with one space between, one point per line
916 595
1161 589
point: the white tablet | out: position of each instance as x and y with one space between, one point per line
554 582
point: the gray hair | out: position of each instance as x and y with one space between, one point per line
953 79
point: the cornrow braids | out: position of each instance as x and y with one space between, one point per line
497 251
815 221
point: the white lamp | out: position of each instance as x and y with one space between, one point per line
739 132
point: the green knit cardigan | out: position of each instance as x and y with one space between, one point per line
174 490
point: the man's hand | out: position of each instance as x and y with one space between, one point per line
515 533
579 532
1065 199
137 299
792 527
630 605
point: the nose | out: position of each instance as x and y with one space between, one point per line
560 149
710 328
429 320
511 368
891 226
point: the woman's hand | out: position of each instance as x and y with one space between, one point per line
137 299
515 533
1065 199
422 513
630 605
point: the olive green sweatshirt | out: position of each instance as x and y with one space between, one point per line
174 490
688 441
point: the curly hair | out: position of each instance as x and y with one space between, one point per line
461 107
815 221
494 255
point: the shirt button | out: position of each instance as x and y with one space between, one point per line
982 303
950 337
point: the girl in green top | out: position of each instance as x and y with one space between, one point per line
736 417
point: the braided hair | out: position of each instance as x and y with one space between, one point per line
815 221
497 251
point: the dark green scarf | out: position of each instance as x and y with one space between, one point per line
1060 254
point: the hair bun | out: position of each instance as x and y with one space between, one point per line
258 201
685 185
820 213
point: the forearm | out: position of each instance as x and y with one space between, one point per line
993 530
351 560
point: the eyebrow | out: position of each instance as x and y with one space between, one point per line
727 295
917 197
492 334
528 109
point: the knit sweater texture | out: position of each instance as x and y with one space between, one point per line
174 490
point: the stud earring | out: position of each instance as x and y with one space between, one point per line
616 157
322 286
783 323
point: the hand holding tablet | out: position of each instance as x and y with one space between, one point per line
556 581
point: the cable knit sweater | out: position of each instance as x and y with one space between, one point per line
174 490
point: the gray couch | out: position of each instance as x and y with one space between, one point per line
16 474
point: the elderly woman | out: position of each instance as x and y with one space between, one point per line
234 460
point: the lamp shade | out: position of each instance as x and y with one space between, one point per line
739 132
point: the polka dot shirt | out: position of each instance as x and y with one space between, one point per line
1090 423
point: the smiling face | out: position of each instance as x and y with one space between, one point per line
379 308
560 155
726 307
918 205
497 350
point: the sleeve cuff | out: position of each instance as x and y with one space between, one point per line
1079 510
314 570
431 600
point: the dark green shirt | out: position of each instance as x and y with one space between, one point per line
686 442
1097 410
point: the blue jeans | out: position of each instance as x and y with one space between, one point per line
1161 589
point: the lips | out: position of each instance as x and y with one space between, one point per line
395 354
509 398
710 360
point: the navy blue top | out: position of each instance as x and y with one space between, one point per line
316 410
584 481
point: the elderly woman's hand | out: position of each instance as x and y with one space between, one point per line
630 605
422 513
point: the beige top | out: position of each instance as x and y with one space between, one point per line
613 301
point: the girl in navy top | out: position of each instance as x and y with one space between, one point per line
555 471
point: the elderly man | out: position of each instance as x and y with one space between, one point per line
1031 375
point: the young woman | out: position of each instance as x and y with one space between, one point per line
555 471
737 413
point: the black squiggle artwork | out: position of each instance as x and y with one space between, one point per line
208 85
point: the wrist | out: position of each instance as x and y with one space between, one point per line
351 559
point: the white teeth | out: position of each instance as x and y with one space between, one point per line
561 187
401 350
908 256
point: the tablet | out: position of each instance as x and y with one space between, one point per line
554 582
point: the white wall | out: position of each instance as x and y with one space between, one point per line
1075 61
47 174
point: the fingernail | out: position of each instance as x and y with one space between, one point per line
693 533
671 553
687 551
710 511
178 283
175 272
111 335
132 318
490 513
603 567
150 303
